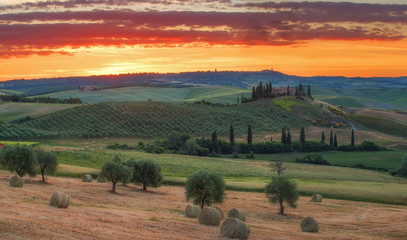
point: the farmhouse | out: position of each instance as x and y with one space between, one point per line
283 91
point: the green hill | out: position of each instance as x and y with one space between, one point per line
215 94
155 119
15 111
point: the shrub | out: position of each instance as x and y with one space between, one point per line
205 188
147 173
250 155
313 158
281 190
20 159
154 147
115 171
47 162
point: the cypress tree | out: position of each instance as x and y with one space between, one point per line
231 135
214 136
302 136
335 142
271 139
296 91
237 99
288 138
242 99
283 137
309 91
322 137
352 140
300 90
288 90
249 135
331 140
261 90
253 94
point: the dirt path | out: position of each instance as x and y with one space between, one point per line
96 213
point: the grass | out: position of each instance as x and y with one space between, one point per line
287 103
15 111
18 142
215 94
381 124
382 159
253 175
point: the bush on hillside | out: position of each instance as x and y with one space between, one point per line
146 172
19 158
312 158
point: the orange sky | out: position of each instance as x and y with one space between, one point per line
49 41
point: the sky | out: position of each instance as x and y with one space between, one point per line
57 38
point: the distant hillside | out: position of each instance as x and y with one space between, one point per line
227 78
154 119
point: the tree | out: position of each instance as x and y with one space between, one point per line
253 94
288 138
47 162
331 139
288 90
309 91
302 136
20 159
322 137
231 136
148 173
283 137
115 171
281 190
205 188
335 142
352 139
249 135
237 100
214 136
278 166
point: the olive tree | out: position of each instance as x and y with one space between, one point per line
115 171
146 172
19 158
205 188
47 162
281 190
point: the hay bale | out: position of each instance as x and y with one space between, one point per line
209 216
16 181
234 228
191 211
222 214
59 200
236 213
87 178
309 224
316 198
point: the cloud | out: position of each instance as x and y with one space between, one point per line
47 32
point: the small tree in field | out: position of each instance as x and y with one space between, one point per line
278 166
115 171
147 173
302 136
249 135
205 188
20 159
281 190
47 162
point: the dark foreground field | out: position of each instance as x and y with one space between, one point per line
96 213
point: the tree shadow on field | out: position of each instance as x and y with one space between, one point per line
276 216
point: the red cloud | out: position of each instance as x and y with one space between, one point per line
47 32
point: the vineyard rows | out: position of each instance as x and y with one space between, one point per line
151 119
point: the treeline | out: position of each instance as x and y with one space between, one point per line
17 98
267 91
181 143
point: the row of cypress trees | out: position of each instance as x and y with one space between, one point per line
285 138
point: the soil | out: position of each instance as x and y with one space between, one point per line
131 213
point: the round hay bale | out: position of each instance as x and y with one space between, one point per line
191 211
87 178
59 200
236 213
309 224
234 228
316 198
209 216
16 181
222 214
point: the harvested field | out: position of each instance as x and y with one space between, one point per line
382 113
96 213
